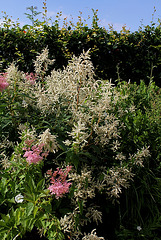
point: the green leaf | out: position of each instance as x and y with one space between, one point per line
2 224
80 204
29 208
18 214
40 185
36 208
6 218
30 224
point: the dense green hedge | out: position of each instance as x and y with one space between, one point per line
114 54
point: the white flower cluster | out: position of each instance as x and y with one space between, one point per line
92 236
13 76
42 62
138 158
49 141
79 135
46 138
93 215
68 224
84 185
116 179
26 132
4 160
67 87
107 131
87 100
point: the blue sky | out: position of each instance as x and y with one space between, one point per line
131 13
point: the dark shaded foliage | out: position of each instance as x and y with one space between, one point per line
123 55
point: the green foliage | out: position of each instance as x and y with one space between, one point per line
137 54
35 210
140 205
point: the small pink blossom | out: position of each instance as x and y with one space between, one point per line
59 189
3 83
59 186
34 154
32 157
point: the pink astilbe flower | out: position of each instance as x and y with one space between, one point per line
34 155
59 186
3 83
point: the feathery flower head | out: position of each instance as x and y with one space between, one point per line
34 155
59 185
